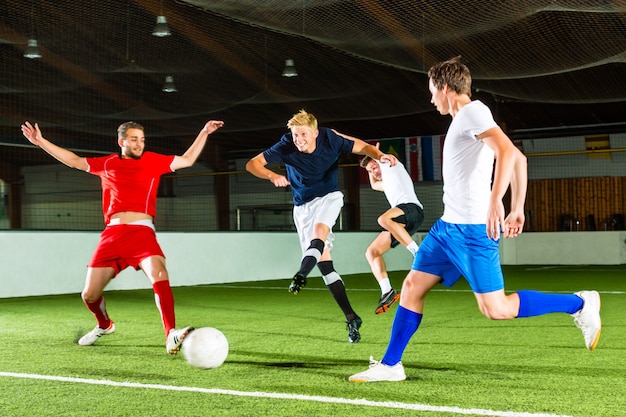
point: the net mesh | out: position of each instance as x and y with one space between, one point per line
539 64
359 61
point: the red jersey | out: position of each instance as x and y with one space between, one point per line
129 184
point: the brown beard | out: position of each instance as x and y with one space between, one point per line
132 155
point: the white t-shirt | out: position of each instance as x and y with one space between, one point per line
467 166
398 185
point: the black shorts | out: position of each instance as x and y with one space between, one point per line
411 219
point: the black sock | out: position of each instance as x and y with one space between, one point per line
337 289
311 256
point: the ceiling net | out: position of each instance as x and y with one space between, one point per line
361 66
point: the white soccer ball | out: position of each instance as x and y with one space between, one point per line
205 348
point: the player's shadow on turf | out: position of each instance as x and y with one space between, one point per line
274 360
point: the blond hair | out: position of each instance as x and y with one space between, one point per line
302 118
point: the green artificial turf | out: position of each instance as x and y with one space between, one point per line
289 355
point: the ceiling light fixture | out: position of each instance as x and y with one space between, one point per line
169 86
161 29
290 69
32 50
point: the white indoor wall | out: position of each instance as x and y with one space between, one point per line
42 263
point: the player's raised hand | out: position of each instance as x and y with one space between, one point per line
212 125
32 133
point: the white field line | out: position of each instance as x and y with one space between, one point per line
282 396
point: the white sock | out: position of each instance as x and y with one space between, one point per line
385 285
413 248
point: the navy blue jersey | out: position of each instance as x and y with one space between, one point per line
315 174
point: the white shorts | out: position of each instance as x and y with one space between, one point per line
324 210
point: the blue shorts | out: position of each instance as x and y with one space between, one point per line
453 250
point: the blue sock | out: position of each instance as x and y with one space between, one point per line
404 326
535 303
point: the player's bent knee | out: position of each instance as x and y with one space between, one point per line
89 297
372 253
411 287
384 222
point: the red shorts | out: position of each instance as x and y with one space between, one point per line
125 245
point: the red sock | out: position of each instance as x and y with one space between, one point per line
99 310
165 303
